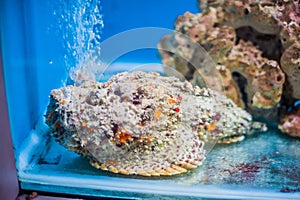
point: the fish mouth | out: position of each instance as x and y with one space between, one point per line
231 139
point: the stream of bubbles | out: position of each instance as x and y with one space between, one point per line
80 25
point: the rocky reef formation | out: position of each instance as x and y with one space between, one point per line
256 48
290 122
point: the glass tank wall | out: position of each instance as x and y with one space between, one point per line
44 44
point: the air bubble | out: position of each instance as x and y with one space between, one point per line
80 23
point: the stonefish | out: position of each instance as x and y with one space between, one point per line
142 123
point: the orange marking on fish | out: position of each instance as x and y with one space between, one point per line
149 138
199 134
123 136
172 101
90 131
210 127
83 123
63 102
157 114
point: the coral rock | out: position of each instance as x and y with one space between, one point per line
255 45
290 123
264 77
257 14
257 82
290 63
